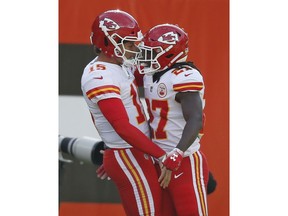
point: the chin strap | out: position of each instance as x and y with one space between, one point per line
129 69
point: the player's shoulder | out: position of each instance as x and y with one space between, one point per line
186 74
186 77
99 67
99 74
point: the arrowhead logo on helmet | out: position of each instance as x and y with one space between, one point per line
108 25
168 38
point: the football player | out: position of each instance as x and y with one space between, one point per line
109 89
174 93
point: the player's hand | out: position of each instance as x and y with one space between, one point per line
165 177
101 173
173 159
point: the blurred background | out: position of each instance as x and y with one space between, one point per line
81 193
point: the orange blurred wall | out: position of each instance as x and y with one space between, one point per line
207 24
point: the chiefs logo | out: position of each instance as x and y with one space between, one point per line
108 25
168 38
162 90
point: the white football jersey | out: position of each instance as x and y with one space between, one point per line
166 117
102 80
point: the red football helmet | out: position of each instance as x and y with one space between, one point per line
161 47
110 29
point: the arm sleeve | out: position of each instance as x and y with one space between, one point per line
114 111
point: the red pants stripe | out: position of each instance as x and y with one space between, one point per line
199 183
136 178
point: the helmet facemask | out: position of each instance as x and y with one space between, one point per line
147 60
121 50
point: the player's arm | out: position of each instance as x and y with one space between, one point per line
192 111
114 111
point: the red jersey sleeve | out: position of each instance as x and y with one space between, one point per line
114 111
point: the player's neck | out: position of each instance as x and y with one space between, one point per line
104 58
